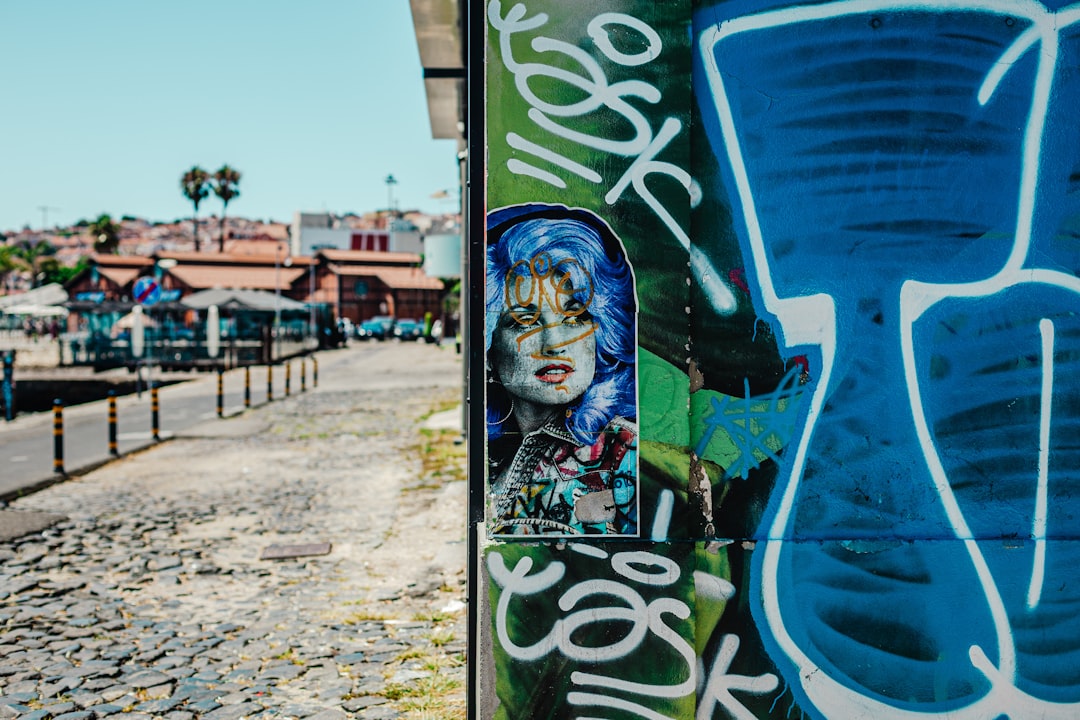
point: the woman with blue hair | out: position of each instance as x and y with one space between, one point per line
560 335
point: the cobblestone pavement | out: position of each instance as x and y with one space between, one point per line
150 599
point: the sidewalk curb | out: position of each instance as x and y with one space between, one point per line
196 431
57 478
331 357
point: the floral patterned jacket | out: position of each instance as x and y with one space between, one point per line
550 484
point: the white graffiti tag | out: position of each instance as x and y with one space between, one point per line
630 611
601 95
720 684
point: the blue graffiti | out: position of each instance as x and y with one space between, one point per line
754 425
904 179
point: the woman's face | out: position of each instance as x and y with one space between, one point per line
543 349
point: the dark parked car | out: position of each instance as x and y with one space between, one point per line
379 327
408 330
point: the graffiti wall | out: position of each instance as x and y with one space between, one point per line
780 377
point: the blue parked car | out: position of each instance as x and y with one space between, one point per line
408 330
379 327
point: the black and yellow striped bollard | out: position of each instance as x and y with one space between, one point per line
155 426
303 374
247 386
113 449
288 377
269 383
58 437
220 392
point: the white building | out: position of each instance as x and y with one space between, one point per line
311 232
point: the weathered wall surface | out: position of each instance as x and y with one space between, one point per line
837 474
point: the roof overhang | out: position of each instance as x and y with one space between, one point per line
438 37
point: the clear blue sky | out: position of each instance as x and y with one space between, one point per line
105 103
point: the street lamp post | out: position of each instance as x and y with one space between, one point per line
311 298
277 296
276 339
391 181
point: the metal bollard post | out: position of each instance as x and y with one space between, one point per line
58 437
247 386
269 383
113 450
220 392
314 371
288 376
7 385
154 424
303 374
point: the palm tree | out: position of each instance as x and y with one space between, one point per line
106 234
53 271
194 185
226 186
9 263
32 254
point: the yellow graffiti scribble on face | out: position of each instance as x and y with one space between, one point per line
544 345
549 286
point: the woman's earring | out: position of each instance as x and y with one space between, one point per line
508 413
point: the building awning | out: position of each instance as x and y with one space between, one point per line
51 294
105 260
438 38
36 310
370 257
225 276
241 300
395 278
119 276
252 257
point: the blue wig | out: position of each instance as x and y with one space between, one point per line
579 242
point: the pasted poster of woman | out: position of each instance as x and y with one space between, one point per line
561 338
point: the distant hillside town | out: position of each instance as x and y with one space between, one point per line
126 292
33 257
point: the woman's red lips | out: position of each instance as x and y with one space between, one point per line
554 373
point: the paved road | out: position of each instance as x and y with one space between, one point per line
150 594
27 444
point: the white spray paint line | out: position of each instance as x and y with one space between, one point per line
1038 570
664 506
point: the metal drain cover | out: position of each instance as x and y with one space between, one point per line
282 552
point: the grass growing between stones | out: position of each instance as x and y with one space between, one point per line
441 452
443 405
362 616
439 638
290 655
411 654
435 697
435 617
442 460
